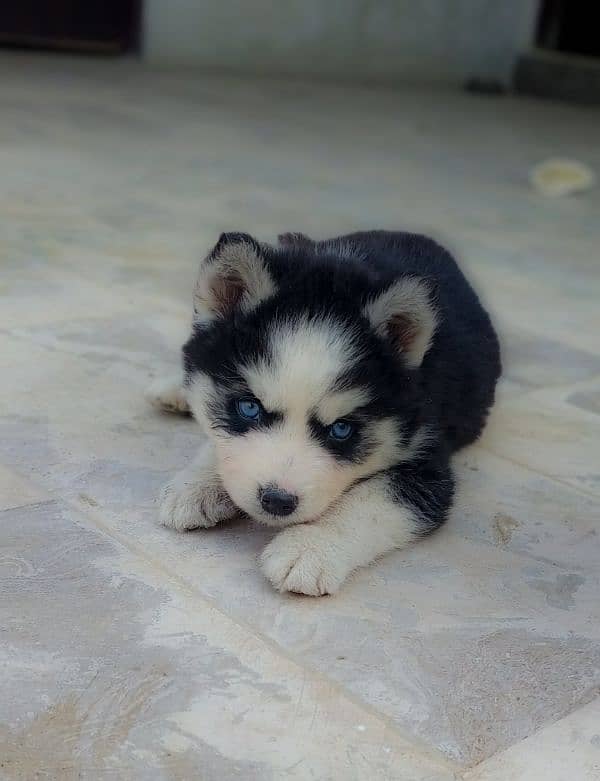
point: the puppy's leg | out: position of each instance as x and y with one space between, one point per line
168 394
195 497
374 517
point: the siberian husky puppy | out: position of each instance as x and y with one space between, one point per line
334 380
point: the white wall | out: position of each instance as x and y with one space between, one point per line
379 40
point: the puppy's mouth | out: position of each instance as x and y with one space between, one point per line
281 521
278 521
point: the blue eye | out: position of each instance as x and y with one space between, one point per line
249 409
341 430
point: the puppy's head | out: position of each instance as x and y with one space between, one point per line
305 377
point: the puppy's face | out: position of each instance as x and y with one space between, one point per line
298 405
295 427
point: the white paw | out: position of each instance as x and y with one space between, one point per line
193 505
168 395
306 560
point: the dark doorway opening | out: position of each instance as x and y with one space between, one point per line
564 62
94 26
569 26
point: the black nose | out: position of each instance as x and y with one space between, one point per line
277 502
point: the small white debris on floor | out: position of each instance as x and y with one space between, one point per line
559 176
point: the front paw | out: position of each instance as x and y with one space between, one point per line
305 560
192 506
168 395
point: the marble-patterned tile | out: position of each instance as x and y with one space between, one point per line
148 342
588 400
539 362
16 490
514 508
462 645
530 301
40 293
109 667
567 750
545 432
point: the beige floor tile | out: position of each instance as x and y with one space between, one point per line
565 751
586 398
110 667
16 491
539 362
514 508
545 432
553 309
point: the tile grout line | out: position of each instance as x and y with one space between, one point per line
547 475
468 772
526 390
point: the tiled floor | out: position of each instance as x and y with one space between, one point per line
134 653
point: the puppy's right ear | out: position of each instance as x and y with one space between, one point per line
234 276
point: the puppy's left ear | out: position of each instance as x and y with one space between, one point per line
405 316
233 277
